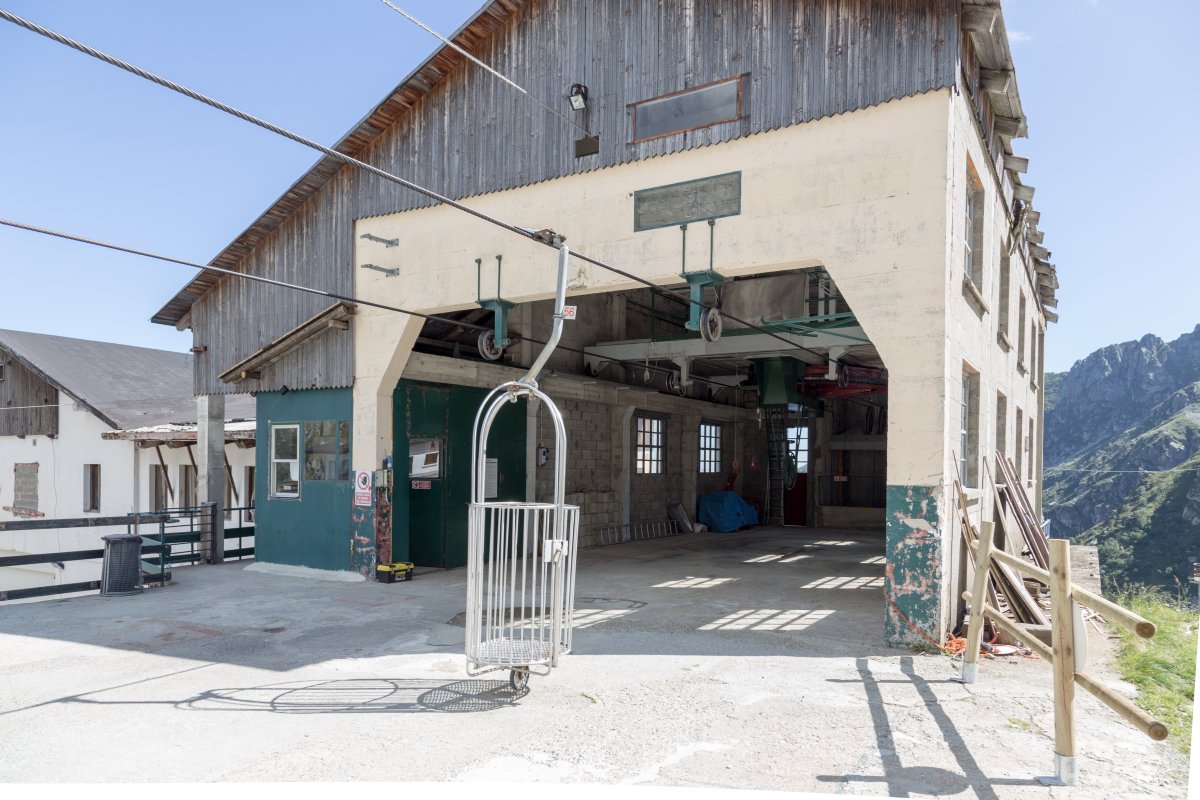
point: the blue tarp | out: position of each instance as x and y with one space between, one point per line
725 512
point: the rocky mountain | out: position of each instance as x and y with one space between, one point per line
1122 455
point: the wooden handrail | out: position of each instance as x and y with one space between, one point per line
1118 703
1111 611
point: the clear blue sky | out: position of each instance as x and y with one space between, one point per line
91 150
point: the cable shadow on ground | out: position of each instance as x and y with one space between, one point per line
902 780
361 696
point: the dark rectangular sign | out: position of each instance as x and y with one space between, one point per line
690 201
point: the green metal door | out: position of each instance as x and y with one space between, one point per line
432 448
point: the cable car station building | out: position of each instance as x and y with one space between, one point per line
827 189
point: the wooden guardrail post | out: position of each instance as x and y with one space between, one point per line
1062 642
983 563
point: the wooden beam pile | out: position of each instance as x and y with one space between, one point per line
1015 522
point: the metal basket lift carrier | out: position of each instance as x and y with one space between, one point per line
521 557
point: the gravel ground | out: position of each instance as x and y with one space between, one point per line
751 661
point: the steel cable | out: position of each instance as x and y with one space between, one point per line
431 194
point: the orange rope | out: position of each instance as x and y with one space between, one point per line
954 644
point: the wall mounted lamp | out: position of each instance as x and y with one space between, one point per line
578 96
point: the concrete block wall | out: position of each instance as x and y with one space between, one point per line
589 467
649 495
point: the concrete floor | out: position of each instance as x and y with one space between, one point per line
750 660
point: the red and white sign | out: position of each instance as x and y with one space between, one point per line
422 484
841 478
362 488
569 312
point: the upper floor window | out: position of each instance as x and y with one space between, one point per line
973 231
1003 315
688 109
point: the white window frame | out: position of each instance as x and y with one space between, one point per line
295 426
710 448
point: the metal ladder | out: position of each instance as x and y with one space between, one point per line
778 457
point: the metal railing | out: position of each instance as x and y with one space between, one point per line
153 570
187 533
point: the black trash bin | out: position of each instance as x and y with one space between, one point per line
122 572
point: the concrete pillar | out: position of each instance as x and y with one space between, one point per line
210 468
624 468
690 468
382 344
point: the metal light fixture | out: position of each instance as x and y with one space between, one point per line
578 96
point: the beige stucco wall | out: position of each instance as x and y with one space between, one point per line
863 193
972 333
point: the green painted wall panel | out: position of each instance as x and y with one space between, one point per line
429 526
913 577
314 530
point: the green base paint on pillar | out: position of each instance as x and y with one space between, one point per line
913 577
362 539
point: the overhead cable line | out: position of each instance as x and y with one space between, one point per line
1125 471
477 62
310 290
431 194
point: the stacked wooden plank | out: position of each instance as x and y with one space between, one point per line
1027 526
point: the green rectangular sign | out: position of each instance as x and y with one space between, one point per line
689 201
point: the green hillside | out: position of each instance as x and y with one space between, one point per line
1123 458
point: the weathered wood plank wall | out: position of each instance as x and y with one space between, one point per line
19 389
805 59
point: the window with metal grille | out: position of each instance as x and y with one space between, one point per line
798 448
710 448
649 446
91 487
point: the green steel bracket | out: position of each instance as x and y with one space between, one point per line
699 281
492 344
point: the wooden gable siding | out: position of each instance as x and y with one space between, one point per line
20 389
470 134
